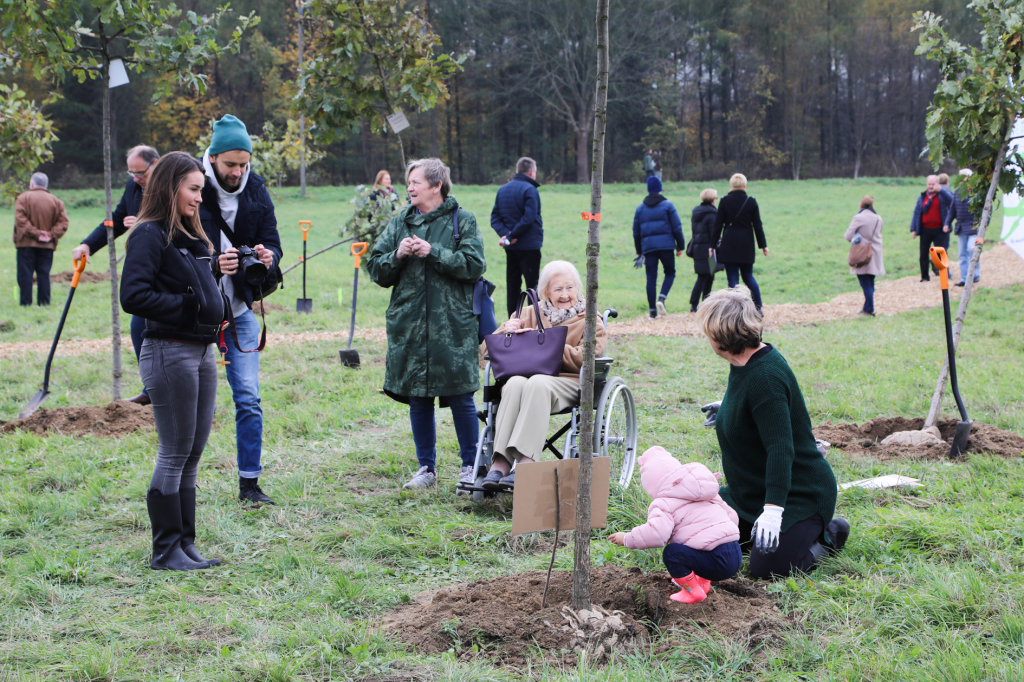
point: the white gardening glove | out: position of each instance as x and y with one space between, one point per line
767 529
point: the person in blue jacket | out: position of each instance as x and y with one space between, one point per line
966 229
141 162
516 219
657 230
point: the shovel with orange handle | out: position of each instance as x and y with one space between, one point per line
44 392
350 356
304 305
963 427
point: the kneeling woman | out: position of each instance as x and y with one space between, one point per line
528 403
169 282
778 481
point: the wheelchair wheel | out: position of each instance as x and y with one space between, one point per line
484 452
615 433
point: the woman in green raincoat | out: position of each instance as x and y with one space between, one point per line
432 331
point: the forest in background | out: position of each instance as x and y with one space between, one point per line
772 88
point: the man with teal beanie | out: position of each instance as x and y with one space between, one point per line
237 211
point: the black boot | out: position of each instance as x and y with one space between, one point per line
188 527
249 491
165 515
838 531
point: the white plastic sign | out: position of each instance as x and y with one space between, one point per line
118 74
398 121
1013 207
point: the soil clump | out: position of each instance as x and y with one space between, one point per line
118 418
502 619
866 439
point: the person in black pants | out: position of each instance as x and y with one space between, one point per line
141 162
40 220
931 222
168 281
737 224
702 224
657 230
516 218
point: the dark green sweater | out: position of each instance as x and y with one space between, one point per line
768 451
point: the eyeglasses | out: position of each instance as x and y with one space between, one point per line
139 174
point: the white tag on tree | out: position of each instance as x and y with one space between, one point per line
398 121
118 74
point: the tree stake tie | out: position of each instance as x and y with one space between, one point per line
596 217
558 525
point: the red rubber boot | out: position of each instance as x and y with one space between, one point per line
705 585
691 592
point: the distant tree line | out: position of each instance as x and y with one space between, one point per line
773 88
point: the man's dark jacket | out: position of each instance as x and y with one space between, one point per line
737 224
516 214
965 221
131 202
945 203
255 223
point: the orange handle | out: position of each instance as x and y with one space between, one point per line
358 249
941 261
79 269
306 229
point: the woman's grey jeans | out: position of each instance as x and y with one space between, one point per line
181 379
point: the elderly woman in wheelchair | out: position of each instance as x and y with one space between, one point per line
523 413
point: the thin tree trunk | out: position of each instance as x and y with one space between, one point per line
582 132
581 552
115 303
302 124
986 216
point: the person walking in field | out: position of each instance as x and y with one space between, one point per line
737 225
141 162
648 164
702 226
517 220
966 230
930 222
40 220
868 226
657 230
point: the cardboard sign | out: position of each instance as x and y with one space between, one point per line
399 123
118 75
533 500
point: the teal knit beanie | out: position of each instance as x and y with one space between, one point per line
229 135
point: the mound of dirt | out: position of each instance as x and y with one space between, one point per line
501 618
866 439
115 419
87 276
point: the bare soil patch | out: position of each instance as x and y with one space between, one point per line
114 419
866 439
87 276
502 617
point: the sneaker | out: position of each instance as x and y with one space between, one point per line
468 475
661 308
693 308
249 491
424 478
865 313
926 279
654 314
961 284
493 480
508 482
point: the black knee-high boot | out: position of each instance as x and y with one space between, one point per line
188 527
165 516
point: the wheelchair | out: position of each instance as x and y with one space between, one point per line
615 426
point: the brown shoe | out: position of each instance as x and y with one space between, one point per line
140 399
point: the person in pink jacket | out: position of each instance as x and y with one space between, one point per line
690 520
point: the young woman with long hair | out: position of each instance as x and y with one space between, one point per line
168 281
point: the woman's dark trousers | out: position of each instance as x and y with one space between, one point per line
867 283
734 271
929 238
668 262
701 289
181 379
798 550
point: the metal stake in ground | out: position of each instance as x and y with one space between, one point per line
44 392
304 305
963 427
558 525
350 356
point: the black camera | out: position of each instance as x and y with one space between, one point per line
255 271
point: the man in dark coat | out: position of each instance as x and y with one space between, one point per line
40 220
702 225
657 230
931 222
237 211
737 224
141 162
516 218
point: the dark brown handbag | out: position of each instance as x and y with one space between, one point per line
537 351
860 254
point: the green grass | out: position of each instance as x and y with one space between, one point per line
929 587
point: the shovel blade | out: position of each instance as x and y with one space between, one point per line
963 432
349 357
34 404
303 305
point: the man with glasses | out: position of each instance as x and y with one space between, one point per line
141 162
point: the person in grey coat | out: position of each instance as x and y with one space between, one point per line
702 224
868 226
966 230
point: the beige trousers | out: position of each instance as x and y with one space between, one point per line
525 410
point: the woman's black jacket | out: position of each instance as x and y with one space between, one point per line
171 285
702 224
737 228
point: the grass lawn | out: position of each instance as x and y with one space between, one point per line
929 587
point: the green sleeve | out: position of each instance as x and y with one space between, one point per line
771 415
382 265
466 263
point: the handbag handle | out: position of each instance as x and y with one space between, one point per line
532 295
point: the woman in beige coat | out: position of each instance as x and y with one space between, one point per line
868 225
527 403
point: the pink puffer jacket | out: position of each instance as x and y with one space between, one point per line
686 508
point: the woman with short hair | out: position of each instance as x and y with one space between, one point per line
527 403
431 328
702 225
868 225
778 481
737 225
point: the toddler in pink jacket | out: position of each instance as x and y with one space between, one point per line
690 520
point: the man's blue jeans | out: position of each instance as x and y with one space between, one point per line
424 429
243 373
733 272
867 284
966 244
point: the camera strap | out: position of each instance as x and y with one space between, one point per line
234 332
